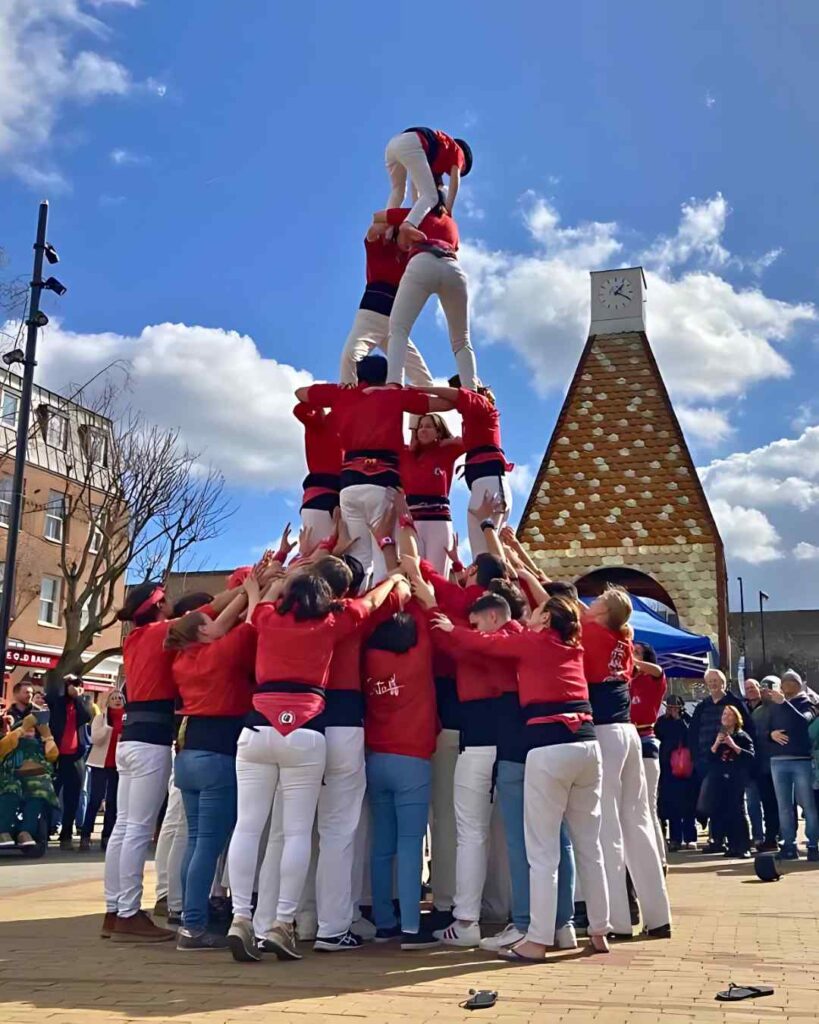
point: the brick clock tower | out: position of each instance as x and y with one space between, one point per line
617 498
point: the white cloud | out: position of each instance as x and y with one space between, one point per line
710 100
712 339
805 416
44 67
231 403
114 3
747 533
468 204
125 158
707 425
521 478
805 552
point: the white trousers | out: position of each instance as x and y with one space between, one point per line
170 849
494 485
264 760
428 275
361 507
627 832
143 769
339 811
434 537
319 522
473 815
443 843
651 767
563 781
371 330
405 155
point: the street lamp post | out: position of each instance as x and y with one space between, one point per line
762 598
36 320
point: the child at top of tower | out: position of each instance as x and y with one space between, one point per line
424 154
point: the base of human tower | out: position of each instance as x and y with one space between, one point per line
729 927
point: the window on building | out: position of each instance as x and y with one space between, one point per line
55 516
50 601
6 484
57 430
95 445
9 406
95 531
89 609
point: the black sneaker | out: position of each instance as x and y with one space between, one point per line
200 941
418 940
713 848
437 920
174 920
337 943
813 853
662 931
387 934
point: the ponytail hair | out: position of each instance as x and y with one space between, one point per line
619 607
308 597
565 619
185 631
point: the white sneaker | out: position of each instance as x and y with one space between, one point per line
306 927
466 935
363 928
566 937
508 937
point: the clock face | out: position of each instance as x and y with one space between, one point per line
615 292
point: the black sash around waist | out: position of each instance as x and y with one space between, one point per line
551 734
378 297
611 702
218 734
431 140
490 467
426 507
149 721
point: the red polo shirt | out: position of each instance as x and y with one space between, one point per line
437 227
386 263
147 665
321 443
647 693
481 420
372 421
428 470
607 654
400 712
449 153
216 679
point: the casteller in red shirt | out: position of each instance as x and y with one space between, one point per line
386 261
399 692
441 229
426 472
216 679
322 449
647 694
448 153
370 427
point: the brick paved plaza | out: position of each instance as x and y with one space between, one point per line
728 927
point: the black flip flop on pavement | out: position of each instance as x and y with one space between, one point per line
734 993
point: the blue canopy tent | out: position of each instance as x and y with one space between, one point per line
681 654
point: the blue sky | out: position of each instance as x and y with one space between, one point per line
212 168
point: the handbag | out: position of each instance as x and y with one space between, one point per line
682 764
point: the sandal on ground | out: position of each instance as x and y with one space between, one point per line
518 958
736 992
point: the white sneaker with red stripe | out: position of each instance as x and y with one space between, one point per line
460 933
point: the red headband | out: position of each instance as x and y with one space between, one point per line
157 595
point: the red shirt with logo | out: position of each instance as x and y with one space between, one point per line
428 469
608 655
647 693
400 713
345 664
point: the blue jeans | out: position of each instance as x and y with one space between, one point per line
753 801
208 785
509 787
398 788
792 783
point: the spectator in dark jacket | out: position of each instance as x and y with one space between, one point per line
760 795
732 754
706 723
791 764
69 714
21 705
678 796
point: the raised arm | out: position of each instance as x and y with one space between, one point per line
470 641
454 185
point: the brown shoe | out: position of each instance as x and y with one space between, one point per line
85 844
26 839
139 928
109 923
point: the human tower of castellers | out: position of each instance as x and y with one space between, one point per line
346 716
